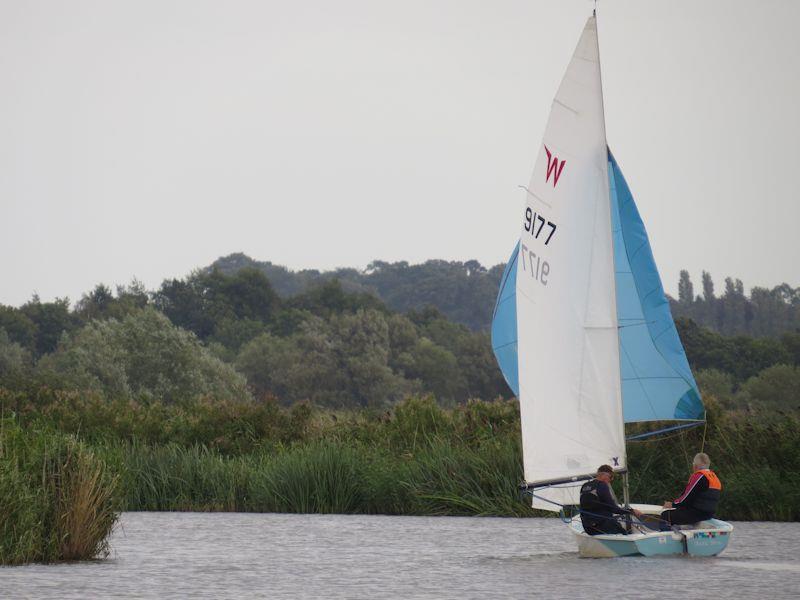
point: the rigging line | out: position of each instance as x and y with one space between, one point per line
705 428
651 439
591 514
636 324
501 346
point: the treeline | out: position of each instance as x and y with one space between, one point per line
232 337
465 292
462 291
765 313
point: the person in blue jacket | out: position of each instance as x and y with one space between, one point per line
599 508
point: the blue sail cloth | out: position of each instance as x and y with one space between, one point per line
504 324
657 383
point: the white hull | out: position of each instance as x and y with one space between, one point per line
707 538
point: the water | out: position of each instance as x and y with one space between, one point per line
234 555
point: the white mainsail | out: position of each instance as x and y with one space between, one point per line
569 373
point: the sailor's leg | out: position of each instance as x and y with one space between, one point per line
611 525
682 516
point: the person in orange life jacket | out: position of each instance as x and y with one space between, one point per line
699 500
599 506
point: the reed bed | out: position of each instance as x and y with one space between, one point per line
415 459
424 460
60 502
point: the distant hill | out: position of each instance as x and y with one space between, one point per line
464 291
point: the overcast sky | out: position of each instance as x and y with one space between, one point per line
147 138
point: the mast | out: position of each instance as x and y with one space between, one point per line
625 482
625 486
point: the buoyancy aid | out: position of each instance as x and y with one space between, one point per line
707 499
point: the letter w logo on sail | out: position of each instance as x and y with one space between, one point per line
554 166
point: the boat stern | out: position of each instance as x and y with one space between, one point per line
710 540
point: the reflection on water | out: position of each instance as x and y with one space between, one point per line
230 555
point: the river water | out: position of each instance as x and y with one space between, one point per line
236 555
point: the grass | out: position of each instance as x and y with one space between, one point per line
416 459
60 502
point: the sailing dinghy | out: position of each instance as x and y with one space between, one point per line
582 329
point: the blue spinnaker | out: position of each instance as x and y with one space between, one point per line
657 383
504 324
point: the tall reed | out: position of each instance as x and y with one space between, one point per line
60 502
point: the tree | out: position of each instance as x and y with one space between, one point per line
330 298
207 301
685 289
437 369
18 326
143 357
362 348
51 319
708 287
14 359
100 303
775 388
717 384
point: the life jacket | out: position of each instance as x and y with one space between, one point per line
707 500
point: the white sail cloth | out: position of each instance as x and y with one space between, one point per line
569 374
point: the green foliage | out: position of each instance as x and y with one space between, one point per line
18 326
330 298
100 303
207 302
417 458
774 390
321 477
740 356
49 321
14 359
59 500
341 362
765 313
143 357
228 426
716 384
463 291
420 459
757 461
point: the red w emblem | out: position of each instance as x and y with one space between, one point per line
554 166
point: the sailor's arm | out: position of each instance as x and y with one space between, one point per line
697 483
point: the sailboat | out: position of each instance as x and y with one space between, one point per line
582 329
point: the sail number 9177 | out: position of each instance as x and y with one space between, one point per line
535 223
535 265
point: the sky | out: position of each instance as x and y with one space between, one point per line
144 139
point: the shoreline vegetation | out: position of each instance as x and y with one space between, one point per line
414 459
215 393
60 499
